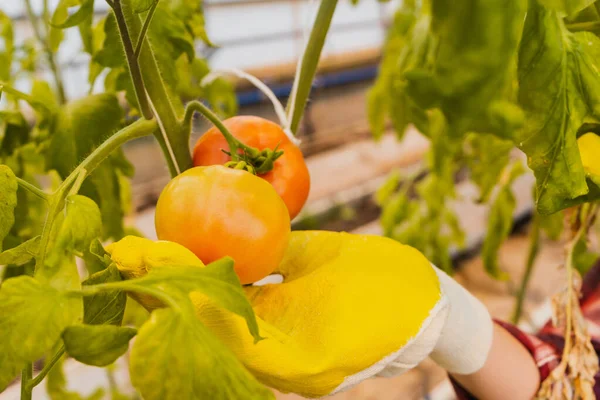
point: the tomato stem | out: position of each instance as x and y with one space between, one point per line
140 41
47 367
534 246
26 375
137 129
132 61
309 61
258 161
32 189
170 134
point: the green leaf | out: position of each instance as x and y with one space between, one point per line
8 200
140 6
82 224
217 280
87 35
106 307
82 126
61 18
98 345
566 7
20 254
73 234
559 83
487 155
32 318
552 224
472 76
6 47
96 259
500 223
407 41
178 358
583 258
110 53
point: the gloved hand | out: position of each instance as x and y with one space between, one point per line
350 307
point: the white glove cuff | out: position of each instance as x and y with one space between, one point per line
466 338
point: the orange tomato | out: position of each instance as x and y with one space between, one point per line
217 211
289 175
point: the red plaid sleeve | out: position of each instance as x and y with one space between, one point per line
546 347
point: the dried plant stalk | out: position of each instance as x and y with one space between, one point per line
573 378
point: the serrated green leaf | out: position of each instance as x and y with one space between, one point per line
20 254
178 358
8 201
110 53
98 345
559 83
32 318
471 79
106 307
61 18
82 224
217 280
500 222
6 47
566 7
82 125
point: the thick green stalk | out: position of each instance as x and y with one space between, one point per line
172 136
310 61
47 367
534 247
26 375
132 61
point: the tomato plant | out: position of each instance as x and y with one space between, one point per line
207 209
64 190
479 78
289 175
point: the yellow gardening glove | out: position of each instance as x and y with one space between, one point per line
350 307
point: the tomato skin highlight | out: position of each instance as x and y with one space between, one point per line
217 211
290 177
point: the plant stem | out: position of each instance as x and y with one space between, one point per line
128 286
137 129
234 144
534 246
172 137
140 41
47 367
132 61
32 189
60 89
584 26
26 375
310 60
